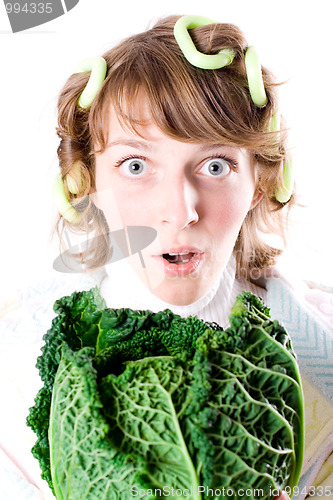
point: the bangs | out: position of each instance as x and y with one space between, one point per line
186 103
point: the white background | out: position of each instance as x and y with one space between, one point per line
294 40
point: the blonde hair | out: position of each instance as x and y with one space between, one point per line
188 104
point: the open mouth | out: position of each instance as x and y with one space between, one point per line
180 262
178 258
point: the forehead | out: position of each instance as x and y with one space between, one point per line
136 126
137 109
134 116
152 139
122 118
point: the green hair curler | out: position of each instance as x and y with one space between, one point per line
254 77
204 61
60 199
98 68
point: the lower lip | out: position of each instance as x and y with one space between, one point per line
179 270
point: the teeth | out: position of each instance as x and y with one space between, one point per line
178 258
180 253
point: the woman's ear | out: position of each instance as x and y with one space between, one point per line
258 192
257 197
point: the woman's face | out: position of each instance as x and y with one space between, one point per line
195 196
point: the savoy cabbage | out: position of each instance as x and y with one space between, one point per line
146 404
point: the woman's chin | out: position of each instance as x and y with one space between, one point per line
180 291
174 290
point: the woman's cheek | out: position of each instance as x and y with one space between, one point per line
133 210
226 212
106 200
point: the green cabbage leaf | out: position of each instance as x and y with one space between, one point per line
148 404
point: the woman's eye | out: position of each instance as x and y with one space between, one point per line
216 167
134 167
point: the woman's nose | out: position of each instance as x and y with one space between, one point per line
180 200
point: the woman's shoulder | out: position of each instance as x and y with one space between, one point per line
306 312
27 313
310 298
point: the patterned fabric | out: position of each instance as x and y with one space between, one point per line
312 341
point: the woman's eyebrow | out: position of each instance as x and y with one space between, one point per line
130 142
207 147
